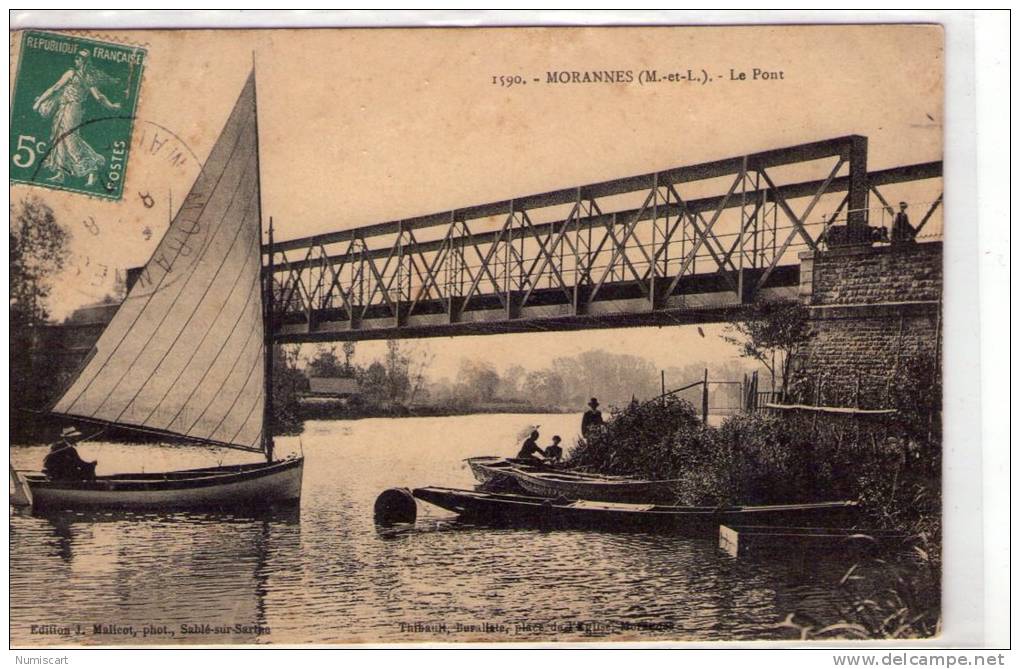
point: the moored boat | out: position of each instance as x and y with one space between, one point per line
546 481
505 509
250 486
488 468
590 487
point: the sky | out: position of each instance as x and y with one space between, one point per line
363 126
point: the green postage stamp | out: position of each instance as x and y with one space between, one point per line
73 112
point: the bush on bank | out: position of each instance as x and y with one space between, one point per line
891 465
771 458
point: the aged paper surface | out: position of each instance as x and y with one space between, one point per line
770 162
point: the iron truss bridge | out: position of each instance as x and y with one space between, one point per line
683 245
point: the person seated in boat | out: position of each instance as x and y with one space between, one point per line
530 447
63 463
592 419
553 452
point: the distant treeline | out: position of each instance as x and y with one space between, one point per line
400 383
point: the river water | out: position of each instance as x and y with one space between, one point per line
325 574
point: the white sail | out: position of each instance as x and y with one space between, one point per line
185 352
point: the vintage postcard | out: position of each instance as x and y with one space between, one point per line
476 335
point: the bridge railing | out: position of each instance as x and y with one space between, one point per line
924 217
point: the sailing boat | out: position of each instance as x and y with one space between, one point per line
189 352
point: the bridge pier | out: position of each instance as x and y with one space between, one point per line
875 312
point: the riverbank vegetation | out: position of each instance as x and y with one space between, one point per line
890 463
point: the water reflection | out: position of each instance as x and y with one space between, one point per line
137 578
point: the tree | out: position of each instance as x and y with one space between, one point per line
348 355
510 382
612 377
545 387
771 332
373 382
288 383
479 379
38 253
398 375
418 389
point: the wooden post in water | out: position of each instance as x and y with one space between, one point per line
662 374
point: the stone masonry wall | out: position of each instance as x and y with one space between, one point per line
875 315
878 275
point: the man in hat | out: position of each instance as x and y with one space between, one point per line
902 231
63 463
592 419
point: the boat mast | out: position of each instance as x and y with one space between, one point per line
267 419
267 294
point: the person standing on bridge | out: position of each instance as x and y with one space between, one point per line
592 419
902 231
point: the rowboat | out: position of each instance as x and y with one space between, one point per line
511 510
488 468
546 481
188 354
248 487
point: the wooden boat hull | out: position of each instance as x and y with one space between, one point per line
252 486
483 468
545 481
557 485
511 510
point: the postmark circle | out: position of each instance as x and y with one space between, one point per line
114 240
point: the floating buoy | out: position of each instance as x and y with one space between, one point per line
394 506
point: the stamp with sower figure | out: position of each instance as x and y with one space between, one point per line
73 112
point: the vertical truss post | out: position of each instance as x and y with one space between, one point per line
858 183
310 292
740 230
357 267
758 216
508 278
654 269
576 298
668 240
398 303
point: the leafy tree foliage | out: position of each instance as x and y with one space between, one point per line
771 332
288 383
38 252
326 364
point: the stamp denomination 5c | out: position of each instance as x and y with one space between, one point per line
65 84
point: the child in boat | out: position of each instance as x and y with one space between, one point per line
63 463
553 452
